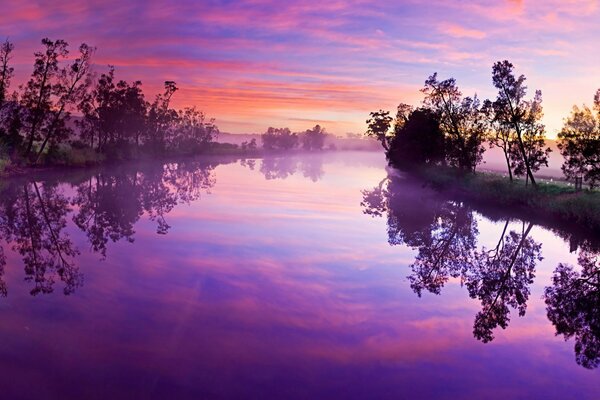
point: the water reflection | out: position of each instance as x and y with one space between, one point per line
573 306
105 206
33 218
444 233
284 167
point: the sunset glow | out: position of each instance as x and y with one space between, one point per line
259 63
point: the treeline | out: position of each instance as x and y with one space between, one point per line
117 121
283 139
453 130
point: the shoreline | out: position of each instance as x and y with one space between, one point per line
556 201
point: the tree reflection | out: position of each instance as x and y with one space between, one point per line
573 306
33 223
500 278
444 234
272 168
106 207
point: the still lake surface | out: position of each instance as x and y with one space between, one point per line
324 276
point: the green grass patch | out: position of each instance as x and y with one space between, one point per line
550 199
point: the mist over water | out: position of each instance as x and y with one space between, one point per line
318 276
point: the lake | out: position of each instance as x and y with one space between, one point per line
322 276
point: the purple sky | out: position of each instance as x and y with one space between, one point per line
259 63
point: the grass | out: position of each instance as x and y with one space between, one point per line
556 200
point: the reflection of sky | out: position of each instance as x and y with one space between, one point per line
280 289
256 63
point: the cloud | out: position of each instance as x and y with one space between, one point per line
458 31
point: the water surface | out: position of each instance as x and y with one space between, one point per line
324 276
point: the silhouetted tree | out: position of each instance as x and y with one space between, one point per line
533 140
500 135
512 110
161 119
114 115
573 306
378 127
39 90
314 139
579 144
279 139
6 71
192 133
418 139
70 89
462 120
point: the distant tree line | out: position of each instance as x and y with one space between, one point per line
117 122
452 130
283 139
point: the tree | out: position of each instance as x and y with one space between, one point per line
379 127
512 110
500 135
279 139
6 71
70 89
314 139
161 118
114 115
192 131
573 306
43 84
579 144
418 139
533 141
462 120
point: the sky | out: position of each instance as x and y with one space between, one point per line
258 63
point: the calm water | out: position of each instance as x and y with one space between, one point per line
315 277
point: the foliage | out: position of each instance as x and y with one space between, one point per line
514 112
462 121
418 140
379 126
279 139
314 139
579 144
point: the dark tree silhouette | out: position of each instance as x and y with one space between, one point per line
379 126
533 140
6 71
37 97
500 135
279 139
314 139
70 89
462 120
573 306
579 144
418 140
514 112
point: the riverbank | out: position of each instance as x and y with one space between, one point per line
550 200
85 158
